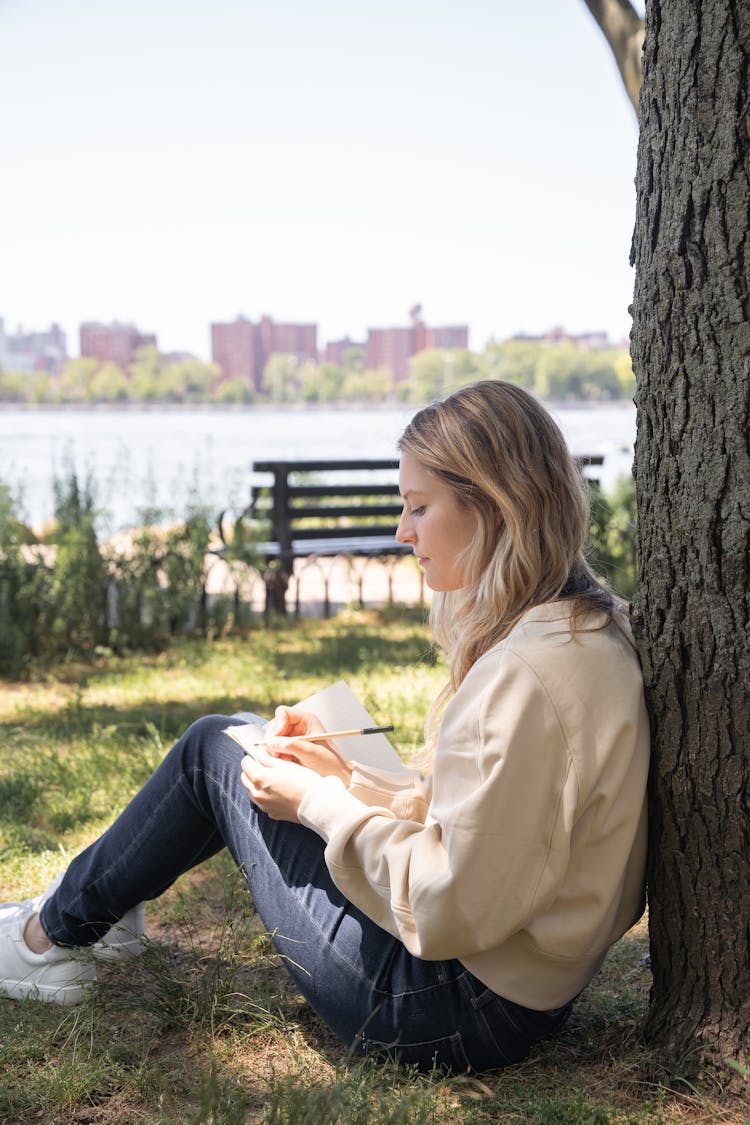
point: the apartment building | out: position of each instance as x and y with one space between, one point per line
113 343
394 347
242 349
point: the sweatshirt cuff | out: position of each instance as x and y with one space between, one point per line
384 783
329 807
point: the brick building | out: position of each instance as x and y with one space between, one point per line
233 350
391 348
587 341
335 351
242 349
113 343
447 336
394 347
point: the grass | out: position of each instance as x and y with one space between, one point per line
206 1027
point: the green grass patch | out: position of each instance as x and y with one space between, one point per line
206 1026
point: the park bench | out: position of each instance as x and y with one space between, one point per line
319 509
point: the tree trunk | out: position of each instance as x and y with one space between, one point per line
691 349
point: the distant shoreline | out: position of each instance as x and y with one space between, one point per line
265 407
198 407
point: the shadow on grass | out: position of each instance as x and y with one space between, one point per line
87 736
316 651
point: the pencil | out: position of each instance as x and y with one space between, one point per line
324 735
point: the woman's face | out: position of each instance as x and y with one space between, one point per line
436 525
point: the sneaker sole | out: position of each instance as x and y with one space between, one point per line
65 994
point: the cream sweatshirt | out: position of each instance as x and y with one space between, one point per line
523 854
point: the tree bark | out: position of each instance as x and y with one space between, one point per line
622 27
691 353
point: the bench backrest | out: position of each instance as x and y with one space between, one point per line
333 499
328 499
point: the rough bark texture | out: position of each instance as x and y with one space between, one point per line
622 27
691 351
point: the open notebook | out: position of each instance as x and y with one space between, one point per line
338 708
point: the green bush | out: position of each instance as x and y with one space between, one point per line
74 619
157 588
69 597
65 596
612 538
20 580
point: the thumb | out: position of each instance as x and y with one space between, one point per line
282 722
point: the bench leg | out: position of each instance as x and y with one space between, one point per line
276 582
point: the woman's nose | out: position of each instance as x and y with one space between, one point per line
404 533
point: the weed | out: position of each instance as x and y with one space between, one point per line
221 1101
356 1097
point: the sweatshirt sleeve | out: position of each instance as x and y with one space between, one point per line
406 794
493 847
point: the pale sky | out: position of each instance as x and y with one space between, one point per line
177 162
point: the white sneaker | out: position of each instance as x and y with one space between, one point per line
58 975
122 941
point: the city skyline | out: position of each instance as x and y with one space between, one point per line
242 349
174 168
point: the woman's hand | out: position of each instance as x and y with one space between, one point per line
280 772
322 757
276 785
290 723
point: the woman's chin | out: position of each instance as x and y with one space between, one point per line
441 587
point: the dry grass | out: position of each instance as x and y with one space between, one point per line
207 1027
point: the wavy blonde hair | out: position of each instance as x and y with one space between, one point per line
504 457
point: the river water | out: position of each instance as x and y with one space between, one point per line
156 457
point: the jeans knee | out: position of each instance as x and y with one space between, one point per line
205 739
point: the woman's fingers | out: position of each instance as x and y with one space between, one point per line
275 786
290 723
324 759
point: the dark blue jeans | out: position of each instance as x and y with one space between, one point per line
372 993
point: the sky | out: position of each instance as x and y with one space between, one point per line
172 163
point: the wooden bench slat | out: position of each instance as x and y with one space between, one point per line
324 466
366 488
368 532
288 502
339 511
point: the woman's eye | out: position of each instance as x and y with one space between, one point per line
418 511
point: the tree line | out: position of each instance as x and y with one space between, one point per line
553 371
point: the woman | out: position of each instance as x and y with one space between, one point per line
449 919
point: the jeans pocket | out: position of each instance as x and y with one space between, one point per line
510 1028
430 1054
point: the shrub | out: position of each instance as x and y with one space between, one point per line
613 536
67 596
73 610
20 580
